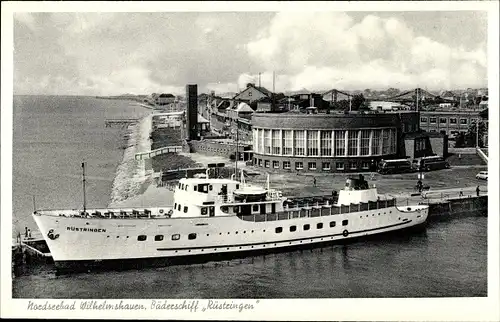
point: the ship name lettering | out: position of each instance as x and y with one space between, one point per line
92 230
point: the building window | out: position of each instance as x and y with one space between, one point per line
255 207
365 165
256 142
312 143
326 166
267 141
453 120
307 226
433 120
299 143
339 165
192 236
278 230
326 143
276 164
473 121
293 228
352 143
339 143
286 164
260 162
299 165
353 165
266 163
345 222
276 141
332 223
423 120
185 209
463 121
442 120
158 237
319 225
311 165
287 142
376 142
142 237
365 142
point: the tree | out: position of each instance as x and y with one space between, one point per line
472 133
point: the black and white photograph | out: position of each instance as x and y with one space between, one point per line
224 160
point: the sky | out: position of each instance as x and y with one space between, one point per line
114 53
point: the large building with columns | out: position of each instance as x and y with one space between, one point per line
335 142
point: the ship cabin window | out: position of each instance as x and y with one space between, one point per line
204 211
319 225
278 230
182 186
203 188
210 187
179 207
332 223
142 237
255 207
186 187
307 226
293 228
176 237
158 237
237 186
345 222
192 236
185 209
175 205
195 188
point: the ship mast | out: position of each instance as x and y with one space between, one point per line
84 195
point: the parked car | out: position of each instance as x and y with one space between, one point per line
482 175
394 166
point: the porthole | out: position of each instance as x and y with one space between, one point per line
208 235
278 230
307 226
332 223
319 225
192 236
142 237
158 237
236 233
176 237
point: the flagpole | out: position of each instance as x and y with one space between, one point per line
84 195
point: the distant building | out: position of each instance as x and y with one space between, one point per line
448 122
164 99
253 93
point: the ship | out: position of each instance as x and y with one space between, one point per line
216 218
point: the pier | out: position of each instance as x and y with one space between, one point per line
120 122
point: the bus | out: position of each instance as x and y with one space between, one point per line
434 162
394 166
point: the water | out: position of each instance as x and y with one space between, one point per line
53 134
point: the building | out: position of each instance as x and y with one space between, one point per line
335 142
450 122
253 93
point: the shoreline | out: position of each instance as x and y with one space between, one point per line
130 178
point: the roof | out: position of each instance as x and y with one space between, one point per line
263 90
244 107
166 95
201 119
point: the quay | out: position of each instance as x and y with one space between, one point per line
120 122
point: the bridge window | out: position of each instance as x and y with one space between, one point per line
278 230
158 237
192 236
293 228
307 226
345 222
176 237
142 237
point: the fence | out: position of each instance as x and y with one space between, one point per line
150 154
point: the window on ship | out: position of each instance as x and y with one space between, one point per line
158 237
141 237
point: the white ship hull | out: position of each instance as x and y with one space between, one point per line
87 243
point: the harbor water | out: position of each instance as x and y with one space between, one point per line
53 134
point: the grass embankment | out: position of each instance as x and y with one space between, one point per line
164 137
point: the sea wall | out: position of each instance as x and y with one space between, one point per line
130 176
456 207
